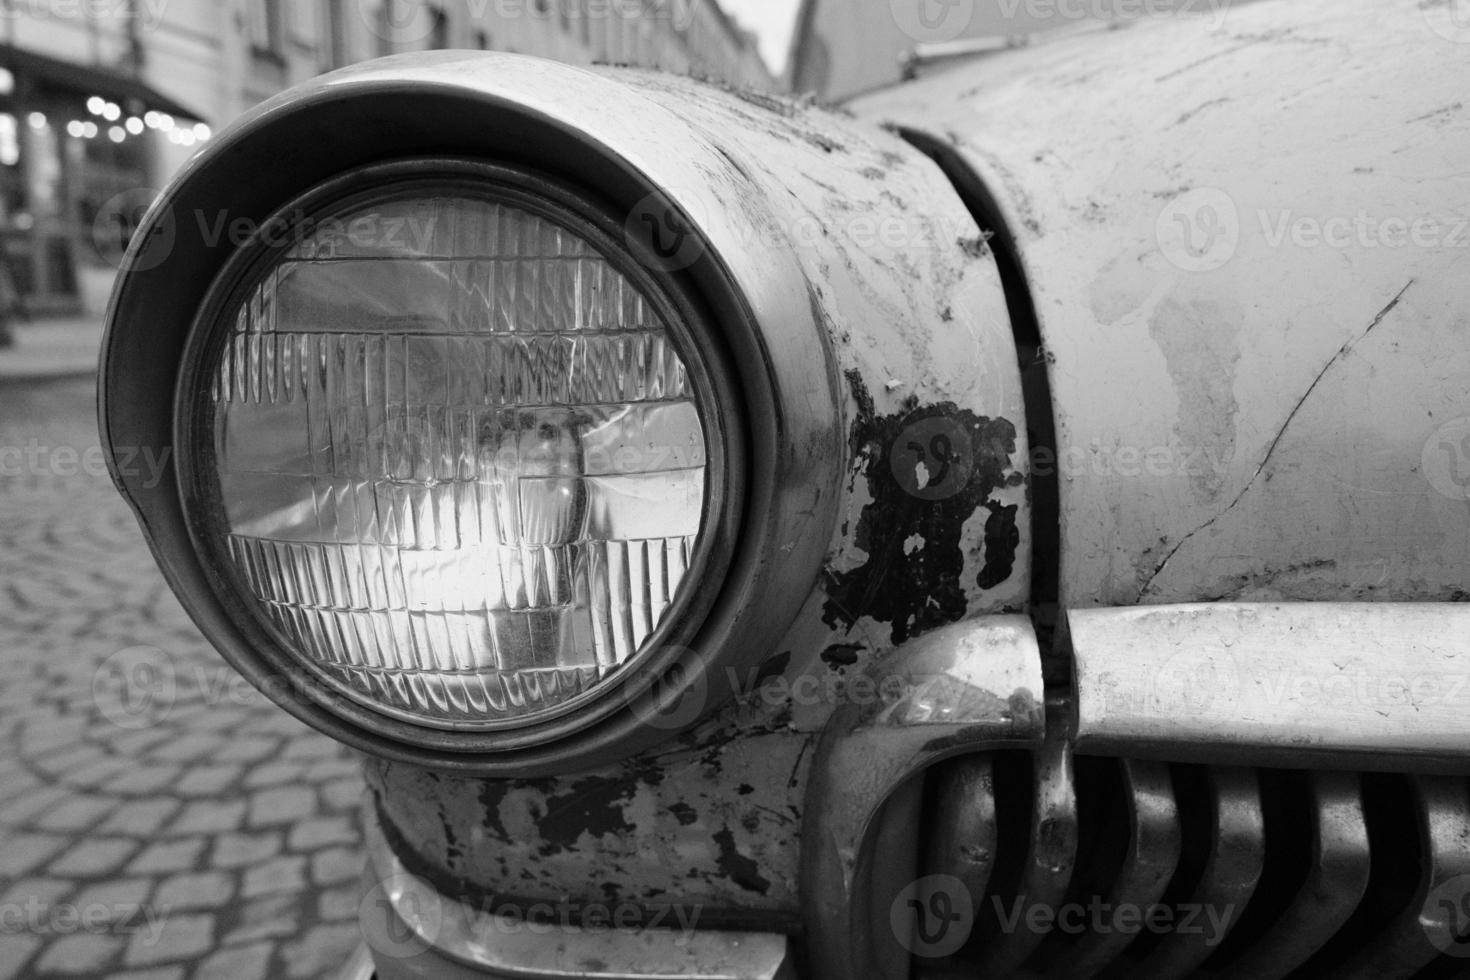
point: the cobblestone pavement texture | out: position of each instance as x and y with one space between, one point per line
159 819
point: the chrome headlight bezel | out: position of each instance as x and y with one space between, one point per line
598 134
680 309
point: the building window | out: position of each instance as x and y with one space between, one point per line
439 28
483 41
265 26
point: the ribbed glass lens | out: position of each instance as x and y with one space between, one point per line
460 467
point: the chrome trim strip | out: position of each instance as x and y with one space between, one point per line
1317 685
501 947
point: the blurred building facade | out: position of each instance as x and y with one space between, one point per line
104 97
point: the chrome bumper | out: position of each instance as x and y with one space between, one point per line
414 932
1321 685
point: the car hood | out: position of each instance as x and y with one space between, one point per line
1248 251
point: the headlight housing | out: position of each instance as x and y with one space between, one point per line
450 445
322 578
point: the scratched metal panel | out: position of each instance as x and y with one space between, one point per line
706 828
1279 407
916 316
917 320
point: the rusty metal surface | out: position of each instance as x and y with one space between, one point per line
416 930
716 819
1335 684
1275 409
710 822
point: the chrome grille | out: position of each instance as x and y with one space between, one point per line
1282 872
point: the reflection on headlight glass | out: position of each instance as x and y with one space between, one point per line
460 466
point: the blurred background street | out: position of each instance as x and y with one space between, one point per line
210 833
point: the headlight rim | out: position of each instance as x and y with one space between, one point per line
603 128
696 335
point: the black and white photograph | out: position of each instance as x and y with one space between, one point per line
734 489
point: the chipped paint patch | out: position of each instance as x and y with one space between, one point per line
977 247
912 578
736 866
840 655
710 821
1002 538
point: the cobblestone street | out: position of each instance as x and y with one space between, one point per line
160 825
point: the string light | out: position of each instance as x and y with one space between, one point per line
127 127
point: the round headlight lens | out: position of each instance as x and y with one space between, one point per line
454 454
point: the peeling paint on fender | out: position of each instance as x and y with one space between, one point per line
917 589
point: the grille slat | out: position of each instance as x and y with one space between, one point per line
1328 893
1298 874
1050 852
1148 831
1403 947
1237 833
966 836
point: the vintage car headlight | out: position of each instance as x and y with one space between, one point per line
454 448
505 426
